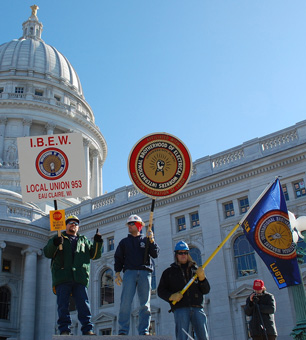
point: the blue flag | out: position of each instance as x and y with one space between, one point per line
267 228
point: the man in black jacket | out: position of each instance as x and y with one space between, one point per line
188 308
260 305
133 257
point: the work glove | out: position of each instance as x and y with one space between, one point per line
150 235
58 240
118 279
98 237
176 297
201 274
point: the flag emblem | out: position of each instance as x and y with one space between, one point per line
273 235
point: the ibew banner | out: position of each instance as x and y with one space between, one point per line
52 167
267 228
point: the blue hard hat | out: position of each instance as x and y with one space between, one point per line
181 245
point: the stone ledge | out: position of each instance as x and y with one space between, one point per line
111 337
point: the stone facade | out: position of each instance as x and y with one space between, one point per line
202 214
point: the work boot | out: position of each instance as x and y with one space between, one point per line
90 333
65 333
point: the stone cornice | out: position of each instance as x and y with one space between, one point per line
53 109
24 233
198 190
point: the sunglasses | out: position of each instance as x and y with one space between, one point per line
131 223
73 222
182 253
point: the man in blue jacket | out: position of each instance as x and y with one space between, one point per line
134 260
70 273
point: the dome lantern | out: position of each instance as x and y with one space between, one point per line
32 28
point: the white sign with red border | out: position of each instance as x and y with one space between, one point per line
52 167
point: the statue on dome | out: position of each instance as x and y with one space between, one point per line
34 9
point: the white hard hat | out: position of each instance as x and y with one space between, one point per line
135 218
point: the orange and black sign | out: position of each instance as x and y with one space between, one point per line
57 220
159 165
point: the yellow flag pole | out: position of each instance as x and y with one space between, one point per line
191 281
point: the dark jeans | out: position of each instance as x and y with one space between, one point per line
79 293
195 316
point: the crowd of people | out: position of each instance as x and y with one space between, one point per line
70 254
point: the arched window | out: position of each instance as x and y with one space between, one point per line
5 303
196 255
107 287
244 256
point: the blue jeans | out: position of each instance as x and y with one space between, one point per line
79 293
132 279
194 315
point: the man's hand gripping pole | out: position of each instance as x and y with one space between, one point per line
191 281
227 237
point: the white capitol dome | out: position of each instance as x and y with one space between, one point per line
41 94
31 56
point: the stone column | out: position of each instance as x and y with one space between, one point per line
28 297
26 127
101 177
95 174
3 121
46 311
87 164
50 128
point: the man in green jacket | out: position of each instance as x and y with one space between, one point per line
70 269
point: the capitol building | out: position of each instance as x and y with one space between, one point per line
41 94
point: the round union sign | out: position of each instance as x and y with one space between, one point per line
159 165
51 163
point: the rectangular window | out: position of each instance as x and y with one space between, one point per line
285 191
105 331
58 98
229 209
110 243
244 205
299 188
181 223
194 220
1 89
18 89
39 93
6 266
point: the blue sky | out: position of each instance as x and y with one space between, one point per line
214 73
